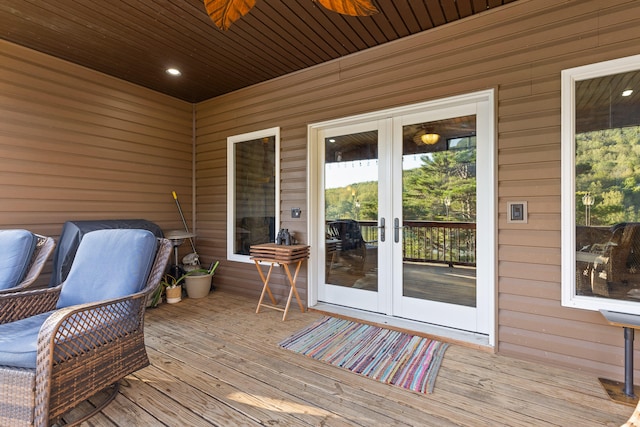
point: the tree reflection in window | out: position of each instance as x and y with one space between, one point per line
607 186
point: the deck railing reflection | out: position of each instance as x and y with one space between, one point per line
446 242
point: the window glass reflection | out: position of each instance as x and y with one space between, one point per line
607 186
255 193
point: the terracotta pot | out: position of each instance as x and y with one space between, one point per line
174 294
198 285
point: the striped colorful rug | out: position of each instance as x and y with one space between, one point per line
389 356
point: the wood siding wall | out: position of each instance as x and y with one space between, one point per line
519 50
79 145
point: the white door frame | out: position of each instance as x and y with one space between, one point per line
487 233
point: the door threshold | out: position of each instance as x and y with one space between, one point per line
427 330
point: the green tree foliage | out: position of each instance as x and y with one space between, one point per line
356 201
608 168
442 176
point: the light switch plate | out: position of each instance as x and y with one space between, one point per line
517 212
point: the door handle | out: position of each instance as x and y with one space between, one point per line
396 229
381 228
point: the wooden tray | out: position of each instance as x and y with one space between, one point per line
279 253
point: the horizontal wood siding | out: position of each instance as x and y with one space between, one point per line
519 50
532 323
79 145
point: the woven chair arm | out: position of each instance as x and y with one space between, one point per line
78 332
20 305
80 328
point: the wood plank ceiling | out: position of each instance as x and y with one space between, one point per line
136 40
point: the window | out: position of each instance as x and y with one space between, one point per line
601 186
462 143
253 188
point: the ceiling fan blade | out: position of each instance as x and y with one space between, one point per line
350 7
223 13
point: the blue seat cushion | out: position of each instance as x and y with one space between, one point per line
109 264
16 247
19 341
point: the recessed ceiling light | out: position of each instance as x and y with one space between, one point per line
173 72
627 92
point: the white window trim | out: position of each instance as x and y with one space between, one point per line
569 77
231 179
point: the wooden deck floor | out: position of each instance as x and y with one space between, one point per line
216 363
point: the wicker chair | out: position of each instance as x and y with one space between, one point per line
38 247
61 345
352 248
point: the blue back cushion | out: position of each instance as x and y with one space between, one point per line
16 251
109 264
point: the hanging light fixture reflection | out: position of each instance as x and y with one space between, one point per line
425 135
430 138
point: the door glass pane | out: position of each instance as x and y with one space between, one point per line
351 210
439 210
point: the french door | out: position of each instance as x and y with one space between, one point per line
404 213
352 196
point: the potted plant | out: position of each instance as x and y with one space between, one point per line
198 281
170 287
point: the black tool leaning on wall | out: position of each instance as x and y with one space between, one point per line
190 261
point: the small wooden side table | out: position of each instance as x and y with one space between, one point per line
624 393
283 255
